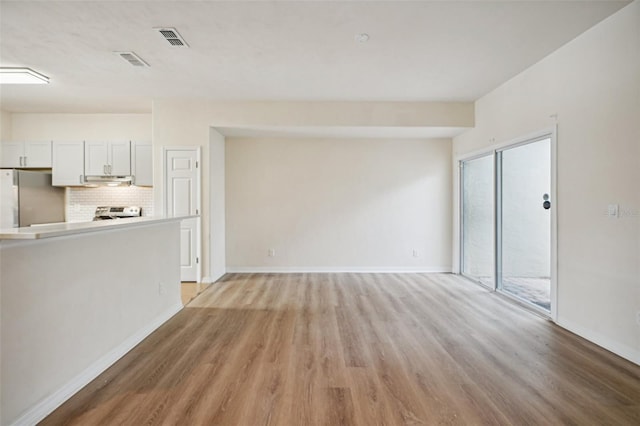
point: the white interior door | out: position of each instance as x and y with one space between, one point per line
183 199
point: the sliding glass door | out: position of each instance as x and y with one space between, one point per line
506 208
524 249
477 219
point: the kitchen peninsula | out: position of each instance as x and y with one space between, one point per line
75 297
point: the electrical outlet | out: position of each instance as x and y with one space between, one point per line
272 252
638 317
612 210
160 289
415 253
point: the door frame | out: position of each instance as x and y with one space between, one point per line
493 150
165 196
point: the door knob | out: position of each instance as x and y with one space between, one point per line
546 204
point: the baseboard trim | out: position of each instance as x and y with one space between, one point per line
206 280
46 406
621 350
217 277
334 269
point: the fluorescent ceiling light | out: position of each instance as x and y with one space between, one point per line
22 76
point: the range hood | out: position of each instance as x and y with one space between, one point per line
108 180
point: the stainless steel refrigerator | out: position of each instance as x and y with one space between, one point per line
28 198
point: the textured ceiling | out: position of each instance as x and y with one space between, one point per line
418 51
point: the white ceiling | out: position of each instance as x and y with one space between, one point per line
301 50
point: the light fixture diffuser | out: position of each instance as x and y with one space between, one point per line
21 76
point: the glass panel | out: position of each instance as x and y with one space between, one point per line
477 219
526 224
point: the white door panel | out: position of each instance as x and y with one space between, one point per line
183 199
181 164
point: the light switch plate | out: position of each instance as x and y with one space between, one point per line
613 210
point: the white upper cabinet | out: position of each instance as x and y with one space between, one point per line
11 154
141 163
34 154
95 158
68 163
107 158
120 158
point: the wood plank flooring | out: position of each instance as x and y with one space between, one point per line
189 290
358 349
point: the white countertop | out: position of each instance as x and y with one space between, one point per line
62 229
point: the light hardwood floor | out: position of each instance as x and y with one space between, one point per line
189 291
358 349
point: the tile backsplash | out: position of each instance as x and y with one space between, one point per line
82 202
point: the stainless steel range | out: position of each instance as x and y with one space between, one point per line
106 213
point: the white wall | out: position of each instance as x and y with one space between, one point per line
30 126
188 123
183 125
5 125
334 204
217 209
592 86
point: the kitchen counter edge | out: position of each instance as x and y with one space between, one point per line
63 229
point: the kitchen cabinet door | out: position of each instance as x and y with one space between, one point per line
119 158
68 163
26 155
141 163
37 154
96 159
11 154
107 158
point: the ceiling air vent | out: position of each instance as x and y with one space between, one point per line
132 58
172 36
